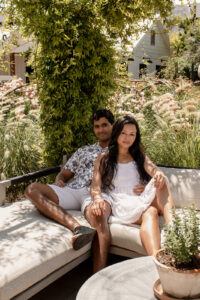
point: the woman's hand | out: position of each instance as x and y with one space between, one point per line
138 189
98 207
159 179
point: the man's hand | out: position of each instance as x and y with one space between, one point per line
159 180
60 183
98 207
138 189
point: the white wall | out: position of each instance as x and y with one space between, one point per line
20 67
153 52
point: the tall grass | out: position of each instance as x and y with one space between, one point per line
20 149
168 114
21 139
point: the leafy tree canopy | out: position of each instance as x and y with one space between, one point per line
75 60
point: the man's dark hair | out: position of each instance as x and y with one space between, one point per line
103 113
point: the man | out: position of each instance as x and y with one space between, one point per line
71 187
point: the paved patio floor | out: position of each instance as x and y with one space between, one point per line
66 287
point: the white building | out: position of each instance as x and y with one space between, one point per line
149 51
17 62
152 48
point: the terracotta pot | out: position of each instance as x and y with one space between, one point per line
178 283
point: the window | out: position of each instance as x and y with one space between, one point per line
4 37
29 71
159 68
153 37
142 69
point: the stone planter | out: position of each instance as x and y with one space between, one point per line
178 283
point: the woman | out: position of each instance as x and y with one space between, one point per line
118 171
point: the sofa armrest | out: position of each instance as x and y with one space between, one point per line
24 178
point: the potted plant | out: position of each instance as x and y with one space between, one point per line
178 263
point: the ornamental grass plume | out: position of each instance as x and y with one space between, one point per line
162 123
190 102
166 114
126 97
148 103
166 97
6 154
2 176
182 87
155 99
163 108
19 110
190 108
140 117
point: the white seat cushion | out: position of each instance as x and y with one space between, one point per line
31 247
127 237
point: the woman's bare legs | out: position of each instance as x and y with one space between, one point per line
165 202
101 242
149 230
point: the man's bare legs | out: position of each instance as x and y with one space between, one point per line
101 242
46 201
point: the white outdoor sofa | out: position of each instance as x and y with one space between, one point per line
35 251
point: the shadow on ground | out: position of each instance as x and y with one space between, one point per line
66 287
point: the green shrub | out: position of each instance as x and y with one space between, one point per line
182 237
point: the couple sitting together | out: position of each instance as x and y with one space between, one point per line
110 181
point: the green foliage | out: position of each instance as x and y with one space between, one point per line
74 59
186 51
182 237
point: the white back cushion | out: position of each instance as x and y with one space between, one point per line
184 185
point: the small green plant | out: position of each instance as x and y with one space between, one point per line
182 237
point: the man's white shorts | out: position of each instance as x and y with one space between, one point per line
72 199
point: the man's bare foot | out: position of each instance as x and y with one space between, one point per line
82 236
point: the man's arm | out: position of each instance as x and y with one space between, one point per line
63 177
68 170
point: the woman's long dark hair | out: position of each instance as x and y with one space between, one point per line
108 165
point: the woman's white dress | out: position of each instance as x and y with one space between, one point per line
127 207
